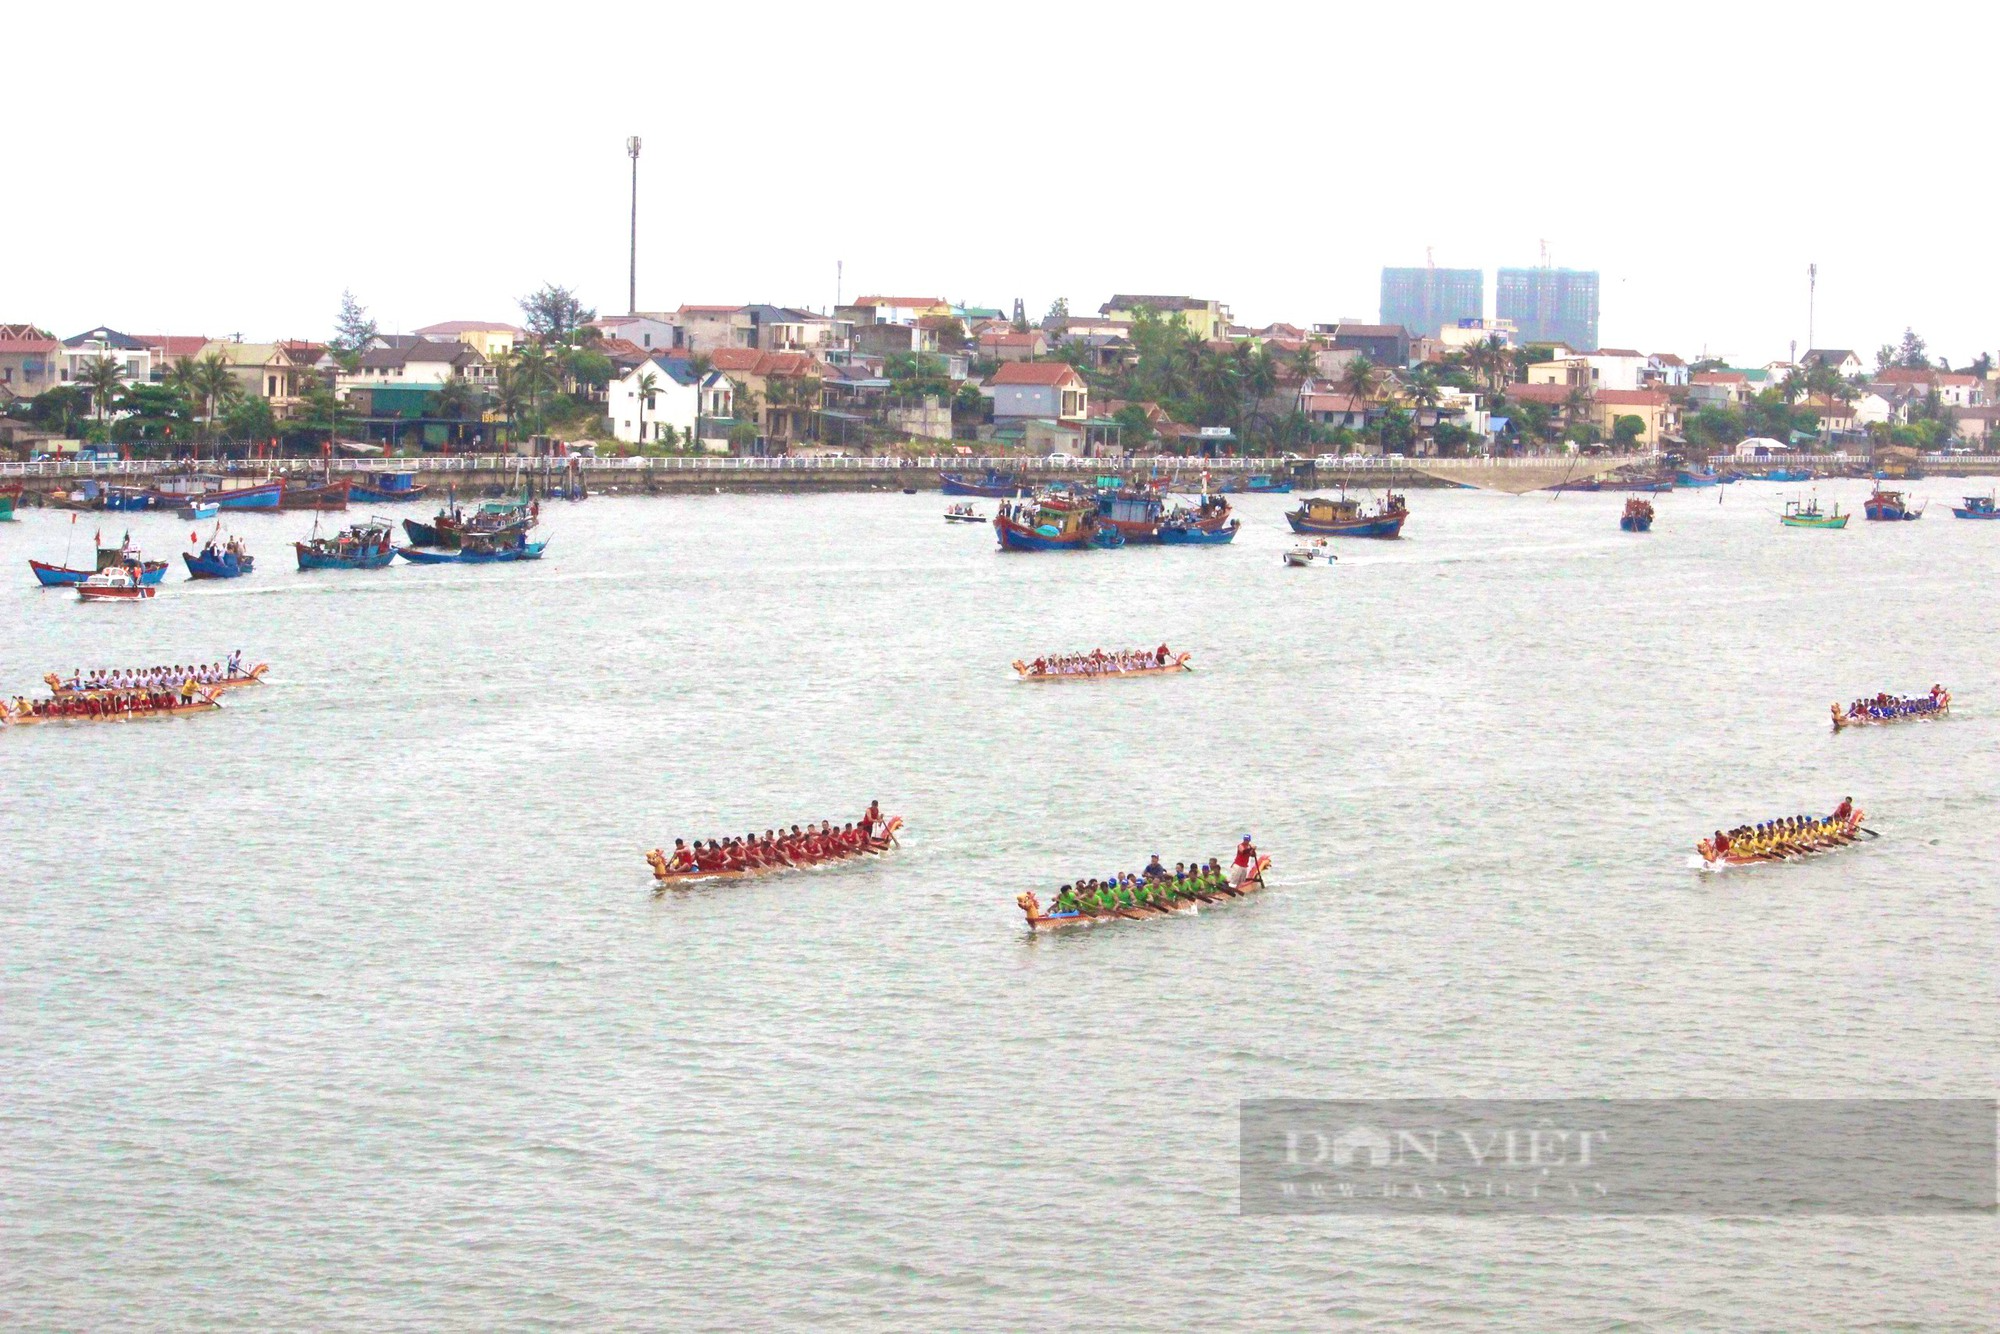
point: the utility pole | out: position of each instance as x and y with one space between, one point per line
839 275
1812 300
632 294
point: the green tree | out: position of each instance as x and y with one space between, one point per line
1910 354
455 400
649 384
554 314
103 377
249 417
1422 387
1134 429
353 331
322 410
213 386
1357 377
1626 430
525 376
1057 320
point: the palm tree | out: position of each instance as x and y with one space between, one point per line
649 384
1424 391
702 366
1357 377
525 374
213 386
103 377
1576 405
455 400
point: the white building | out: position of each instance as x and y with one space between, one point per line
1469 333
642 414
419 361
133 357
648 331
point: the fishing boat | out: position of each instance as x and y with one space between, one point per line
1257 484
1174 664
1188 905
1696 477
665 873
1182 533
117 584
197 510
1888 506
963 514
330 497
452 524
1766 848
1937 704
1789 475
220 559
253 677
1053 523
1806 514
62 576
478 549
362 546
130 499
1976 507
993 486
105 709
1638 516
261 496
10 495
1322 516
387 487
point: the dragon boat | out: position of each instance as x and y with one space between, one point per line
12 716
1187 906
1939 705
1784 849
254 677
1178 663
1320 516
664 873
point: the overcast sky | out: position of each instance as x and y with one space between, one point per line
215 169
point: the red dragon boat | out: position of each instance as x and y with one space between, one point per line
665 874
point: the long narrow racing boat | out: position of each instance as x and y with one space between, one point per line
81 710
1783 840
1934 705
255 676
1176 906
665 873
1178 663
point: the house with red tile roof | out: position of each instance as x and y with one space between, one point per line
1954 389
30 360
1007 345
786 388
1025 389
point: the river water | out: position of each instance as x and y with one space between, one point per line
353 1005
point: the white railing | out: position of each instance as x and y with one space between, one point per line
522 465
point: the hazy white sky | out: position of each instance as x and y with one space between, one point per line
208 168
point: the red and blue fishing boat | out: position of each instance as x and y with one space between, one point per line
1888 506
1638 516
328 498
1325 517
480 549
108 558
1976 507
1053 523
994 486
363 546
1182 530
387 487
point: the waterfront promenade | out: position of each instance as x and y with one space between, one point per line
685 474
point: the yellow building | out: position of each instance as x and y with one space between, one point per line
1661 415
493 339
1206 320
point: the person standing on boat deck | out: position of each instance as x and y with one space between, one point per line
1844 811
1154 869
1246 857
1160 656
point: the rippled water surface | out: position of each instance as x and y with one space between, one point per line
352 1006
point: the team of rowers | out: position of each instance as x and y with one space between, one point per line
1155 886
776 849
157 678
1886 708
1099 663
109 704
1788 836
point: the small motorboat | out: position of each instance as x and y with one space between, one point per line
963 514
117 584
196 510
1976 507
1301 556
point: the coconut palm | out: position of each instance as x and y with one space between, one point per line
455 400
103 377
1357 377
649 384
701 366
526 374
213 386
1424 391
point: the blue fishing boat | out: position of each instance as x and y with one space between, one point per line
1976 507
220 560
130 499
108 558
1259 484
993 486
478 550
386 487
1638 516
1177 533
1888 506
263 496
1789 475
1321 517
364 546
1688 477
197 510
